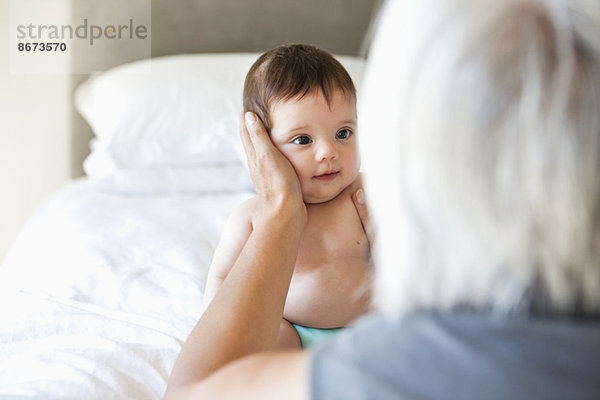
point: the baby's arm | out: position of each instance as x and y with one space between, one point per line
235 234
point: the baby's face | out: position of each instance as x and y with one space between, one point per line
320 142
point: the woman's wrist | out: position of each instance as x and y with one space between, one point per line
284 213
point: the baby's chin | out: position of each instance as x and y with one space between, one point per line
319 198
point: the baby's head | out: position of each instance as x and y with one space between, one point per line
307 102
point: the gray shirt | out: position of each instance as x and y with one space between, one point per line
459 356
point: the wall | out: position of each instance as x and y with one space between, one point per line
43 141
34 138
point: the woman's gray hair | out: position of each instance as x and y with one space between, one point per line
482 155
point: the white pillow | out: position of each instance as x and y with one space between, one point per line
166 124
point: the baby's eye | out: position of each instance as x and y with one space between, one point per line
302 140
343 134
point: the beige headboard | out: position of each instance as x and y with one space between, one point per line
200 26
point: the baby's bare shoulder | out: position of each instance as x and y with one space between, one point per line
249 206
245 211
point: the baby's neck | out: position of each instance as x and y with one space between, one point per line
326 201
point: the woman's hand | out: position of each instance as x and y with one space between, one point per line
274 177
363 212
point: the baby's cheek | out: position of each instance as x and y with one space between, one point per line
354 164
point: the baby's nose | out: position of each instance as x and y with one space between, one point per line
326 151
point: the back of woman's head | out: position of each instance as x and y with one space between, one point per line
495 152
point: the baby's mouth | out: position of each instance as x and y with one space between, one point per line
327 176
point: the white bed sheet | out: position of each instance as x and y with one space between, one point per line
100 290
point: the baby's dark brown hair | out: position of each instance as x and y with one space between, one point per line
291 71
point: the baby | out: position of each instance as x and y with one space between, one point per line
307 102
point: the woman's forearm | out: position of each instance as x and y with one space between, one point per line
245 314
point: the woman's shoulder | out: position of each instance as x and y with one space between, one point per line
393 356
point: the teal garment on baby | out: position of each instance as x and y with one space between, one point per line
311 336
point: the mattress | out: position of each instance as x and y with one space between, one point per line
101 289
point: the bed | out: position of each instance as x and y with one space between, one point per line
105 280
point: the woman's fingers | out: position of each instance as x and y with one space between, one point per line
274 178
363 212
258 133
258 140
246 142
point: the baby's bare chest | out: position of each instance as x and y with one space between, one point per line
330 284
332 238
